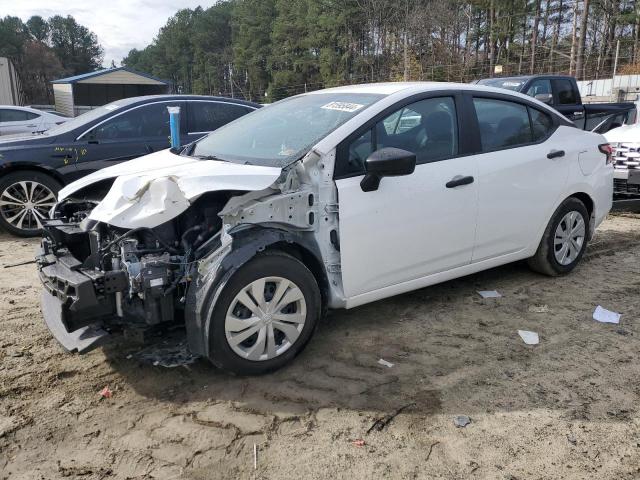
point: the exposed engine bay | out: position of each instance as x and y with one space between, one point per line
146 268
100 278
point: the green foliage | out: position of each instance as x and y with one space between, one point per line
75 46
43 50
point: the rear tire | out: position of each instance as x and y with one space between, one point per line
25 200
265 315
564 240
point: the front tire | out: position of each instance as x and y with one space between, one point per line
265 315
564 241
25 200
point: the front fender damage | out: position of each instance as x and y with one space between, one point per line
178 234
296 214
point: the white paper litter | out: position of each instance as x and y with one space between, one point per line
530 338
539 308
606 316
489 294
385 363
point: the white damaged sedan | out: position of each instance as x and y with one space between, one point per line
331 199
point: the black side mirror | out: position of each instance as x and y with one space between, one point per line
386 162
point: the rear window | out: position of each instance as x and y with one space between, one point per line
209 116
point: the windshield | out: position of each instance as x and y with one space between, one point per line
85 118
508 83
281 133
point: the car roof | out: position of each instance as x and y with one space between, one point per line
411 88
150 98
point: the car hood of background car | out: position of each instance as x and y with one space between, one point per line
153 189
624 134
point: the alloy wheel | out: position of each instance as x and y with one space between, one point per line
265 318
569 238
24 204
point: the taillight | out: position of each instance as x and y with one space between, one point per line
607 150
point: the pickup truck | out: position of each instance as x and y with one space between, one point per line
561 92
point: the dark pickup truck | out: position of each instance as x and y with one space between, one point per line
561 92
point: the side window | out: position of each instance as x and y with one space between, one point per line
541 124
539 87
10 115
566 93
148 121
428 128
208 116
31 115
502 124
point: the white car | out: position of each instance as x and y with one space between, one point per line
625 142
17 120
331 199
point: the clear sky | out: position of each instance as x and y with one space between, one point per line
119 24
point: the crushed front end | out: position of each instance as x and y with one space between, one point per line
99 280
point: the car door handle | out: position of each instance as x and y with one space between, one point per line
458 181
555 154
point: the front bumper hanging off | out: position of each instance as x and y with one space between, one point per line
76 301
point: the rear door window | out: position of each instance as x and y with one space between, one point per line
502 124
209 116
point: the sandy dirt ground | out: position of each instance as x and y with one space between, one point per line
564 409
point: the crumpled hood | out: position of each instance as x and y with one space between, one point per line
153 189
624 134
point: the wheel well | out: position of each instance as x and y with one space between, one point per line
32 168
586 200
310 261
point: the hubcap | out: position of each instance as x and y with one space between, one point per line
569 238
24 204
265 318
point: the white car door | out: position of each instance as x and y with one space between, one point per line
521 174
414 225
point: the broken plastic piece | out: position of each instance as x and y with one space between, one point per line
530 338
489 294
385 363
606 316
359 443
461 421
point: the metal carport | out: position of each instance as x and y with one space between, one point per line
75 95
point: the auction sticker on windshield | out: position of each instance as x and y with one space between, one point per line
343 106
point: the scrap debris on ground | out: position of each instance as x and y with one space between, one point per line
568 408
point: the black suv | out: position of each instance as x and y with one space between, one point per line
33 168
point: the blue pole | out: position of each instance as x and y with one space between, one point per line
174 126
